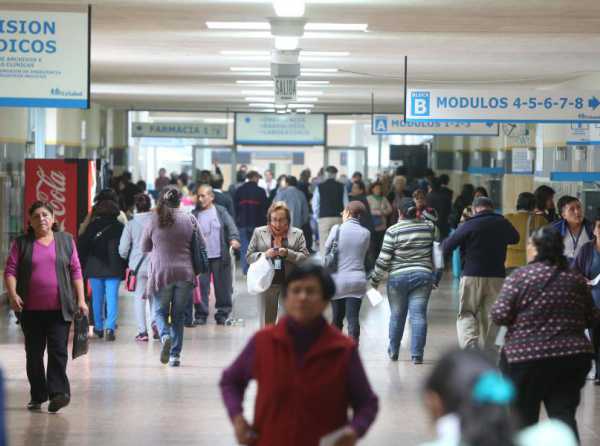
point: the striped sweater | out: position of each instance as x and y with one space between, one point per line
407 247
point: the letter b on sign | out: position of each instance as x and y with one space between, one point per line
420 103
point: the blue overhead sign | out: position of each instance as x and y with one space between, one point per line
518 105
271 129
383 124
44 59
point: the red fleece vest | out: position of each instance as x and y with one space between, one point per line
296 406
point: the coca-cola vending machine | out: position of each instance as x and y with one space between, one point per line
68 185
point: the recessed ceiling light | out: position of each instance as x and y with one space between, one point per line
261 105
336 27
310 84
301 105
256 26
284 43
289 8
324 53
270 93
261 83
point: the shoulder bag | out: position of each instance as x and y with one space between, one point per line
330 261
199 255
131 275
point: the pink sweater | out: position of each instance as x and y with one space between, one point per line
43 291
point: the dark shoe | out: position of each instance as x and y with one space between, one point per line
200 322
34 406
220 321
155 334
393 355
597 381
165 352
110 335
189 325
142 337
99 333
174 361
58 401
417 360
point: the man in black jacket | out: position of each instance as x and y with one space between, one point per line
221 198
483 240
328 202
250 203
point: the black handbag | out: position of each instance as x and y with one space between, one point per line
199 255
330 260
80 335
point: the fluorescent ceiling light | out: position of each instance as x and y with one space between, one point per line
265 83
255 26
312 83
272 98
301 105
283 43
341 121
218 120
270 93
245 53
303 110
336 27
324 53
252 69
261 105
289 8
319 70
268 110
280 106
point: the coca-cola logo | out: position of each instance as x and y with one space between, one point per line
51 189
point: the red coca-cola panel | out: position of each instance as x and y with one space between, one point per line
66 184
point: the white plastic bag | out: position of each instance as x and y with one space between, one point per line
438 256
260 275
374 296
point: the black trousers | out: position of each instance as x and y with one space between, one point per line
595 335
556 382
46 329
348 308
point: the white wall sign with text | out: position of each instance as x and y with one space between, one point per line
178 130
263 129
522 161
584 134
515 105
44 59
395 125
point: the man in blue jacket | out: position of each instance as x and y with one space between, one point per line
483 240
250 203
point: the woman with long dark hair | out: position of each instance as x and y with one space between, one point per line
547 308
43 279
168 239
462 201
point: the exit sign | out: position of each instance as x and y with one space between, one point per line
285 89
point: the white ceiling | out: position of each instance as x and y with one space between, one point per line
159 54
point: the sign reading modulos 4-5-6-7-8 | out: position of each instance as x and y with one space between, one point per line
44 59
516 105
396 125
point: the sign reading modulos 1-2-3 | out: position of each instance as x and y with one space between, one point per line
516 105
385 124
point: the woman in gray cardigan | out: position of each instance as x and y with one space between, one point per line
130 247
350 278
285 247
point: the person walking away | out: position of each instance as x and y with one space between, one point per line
306 188
130 248
220 233
99 250
483 239
464 200
574 228
222 198
544 203
294 200
268 183
469 400
587 263
168 239
350 277
298 412
399 191
526 223
358 192
441 201
547 308
328 202
250 212
285 247
44 285
407 254
380 211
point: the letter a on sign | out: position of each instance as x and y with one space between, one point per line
381 124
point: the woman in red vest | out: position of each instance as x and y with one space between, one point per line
308 373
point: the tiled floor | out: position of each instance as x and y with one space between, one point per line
122 395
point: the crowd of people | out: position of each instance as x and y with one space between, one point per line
532 324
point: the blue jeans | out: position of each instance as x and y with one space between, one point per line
245 237
105 290
408 293
173 299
